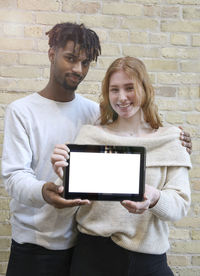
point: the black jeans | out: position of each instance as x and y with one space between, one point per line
98 256
33 260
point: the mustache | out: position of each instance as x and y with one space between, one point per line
75 75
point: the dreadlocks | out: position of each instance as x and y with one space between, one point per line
79 34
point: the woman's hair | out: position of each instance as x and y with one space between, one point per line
135 69
88 40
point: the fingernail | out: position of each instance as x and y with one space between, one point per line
60 189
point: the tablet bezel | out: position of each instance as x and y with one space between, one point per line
104 149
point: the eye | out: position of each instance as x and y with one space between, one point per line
69 58
130 88
113 90
86 63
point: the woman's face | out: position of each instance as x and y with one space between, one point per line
122 95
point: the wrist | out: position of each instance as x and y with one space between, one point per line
155 198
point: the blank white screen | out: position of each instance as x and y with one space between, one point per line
104 173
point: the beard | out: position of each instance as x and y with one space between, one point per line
66 82
67 85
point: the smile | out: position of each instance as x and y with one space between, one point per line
74 77
124 105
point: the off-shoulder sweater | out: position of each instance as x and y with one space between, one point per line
167 167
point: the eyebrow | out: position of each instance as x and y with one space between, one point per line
126 84
75 56
69 54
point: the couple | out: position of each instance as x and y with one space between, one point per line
43 235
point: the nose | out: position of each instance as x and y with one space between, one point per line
122 95
77 68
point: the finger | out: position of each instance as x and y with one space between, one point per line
129 204
62 146
143 205
136 204
64 203
61 203
183 132
58 167
187 145
57 157
135 211
60 172
141 211
185 138
67 149
84 202
60 164
62 153
187 134
145 197
136 207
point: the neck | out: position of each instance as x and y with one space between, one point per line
134 126
56 93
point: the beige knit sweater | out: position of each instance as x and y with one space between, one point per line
167 169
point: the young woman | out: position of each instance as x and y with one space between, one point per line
131 238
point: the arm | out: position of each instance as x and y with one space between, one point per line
175 196
19 178
169 204
150 199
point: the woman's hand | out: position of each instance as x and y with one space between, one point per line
151 197
59 159
186 140
52 193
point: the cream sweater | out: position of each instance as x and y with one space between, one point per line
167 169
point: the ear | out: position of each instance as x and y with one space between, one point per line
51 54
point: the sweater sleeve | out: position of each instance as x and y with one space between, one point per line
175 198
19 178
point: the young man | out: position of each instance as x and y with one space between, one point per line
43 235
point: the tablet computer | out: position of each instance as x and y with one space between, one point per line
105 172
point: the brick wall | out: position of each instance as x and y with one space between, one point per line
165 34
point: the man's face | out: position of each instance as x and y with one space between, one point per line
69 65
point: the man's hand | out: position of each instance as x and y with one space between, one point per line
151 197
186 140
52 194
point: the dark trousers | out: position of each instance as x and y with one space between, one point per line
98 256
33 260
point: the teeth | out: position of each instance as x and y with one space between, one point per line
122 106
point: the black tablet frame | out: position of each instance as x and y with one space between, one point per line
104 149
